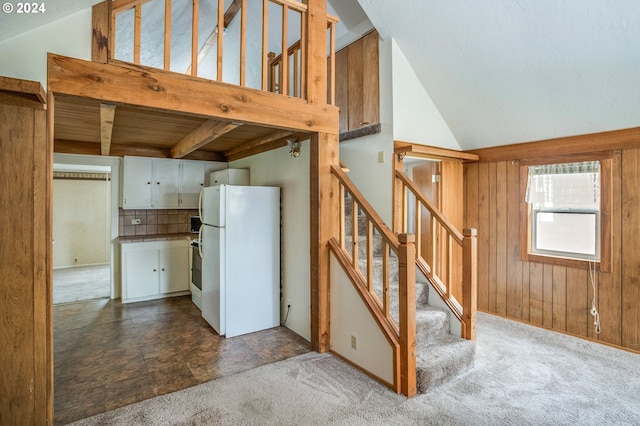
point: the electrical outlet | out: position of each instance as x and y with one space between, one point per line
354 342
288 303
135 221
381 157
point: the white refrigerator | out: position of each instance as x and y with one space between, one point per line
240 249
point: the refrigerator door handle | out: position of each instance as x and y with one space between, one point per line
200 240
200 205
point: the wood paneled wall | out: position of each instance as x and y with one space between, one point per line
552 296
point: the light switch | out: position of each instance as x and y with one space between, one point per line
381 157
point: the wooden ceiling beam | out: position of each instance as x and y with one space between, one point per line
158 89
259 141
107 116
120 150
434 152
209 131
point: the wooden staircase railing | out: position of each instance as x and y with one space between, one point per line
440 271
402 334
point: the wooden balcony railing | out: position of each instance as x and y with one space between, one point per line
285 74
377 293
438 266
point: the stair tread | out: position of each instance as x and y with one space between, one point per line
441 346
440 361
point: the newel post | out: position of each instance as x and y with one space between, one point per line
469 282
407 296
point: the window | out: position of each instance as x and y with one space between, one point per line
564 210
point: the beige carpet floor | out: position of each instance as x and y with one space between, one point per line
81 283
523 376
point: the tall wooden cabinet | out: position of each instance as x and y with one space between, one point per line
358 83
26 387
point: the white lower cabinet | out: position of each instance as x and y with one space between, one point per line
154 269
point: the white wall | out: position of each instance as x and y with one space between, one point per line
372 178
114 163
81 227
415 117
278 168
350 317
25 55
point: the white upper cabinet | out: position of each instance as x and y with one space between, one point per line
167 181
161 183
192 182
137 183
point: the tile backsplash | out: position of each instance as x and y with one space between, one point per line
153 222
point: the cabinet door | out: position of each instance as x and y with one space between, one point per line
342 76
137 180
370 80
141 273
357 83
192 183
174 269
167 184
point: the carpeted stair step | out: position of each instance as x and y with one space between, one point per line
440 356
442 360
432 324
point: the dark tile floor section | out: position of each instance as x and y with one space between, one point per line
108 355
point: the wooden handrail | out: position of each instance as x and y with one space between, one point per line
368 210
290 51
448 226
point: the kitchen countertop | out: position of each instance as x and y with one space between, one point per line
156 237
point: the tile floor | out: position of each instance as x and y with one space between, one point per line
107 355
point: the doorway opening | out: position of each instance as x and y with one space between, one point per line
81 232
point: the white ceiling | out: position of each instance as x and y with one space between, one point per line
13 23
503 72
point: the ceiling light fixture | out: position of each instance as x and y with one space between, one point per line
294 148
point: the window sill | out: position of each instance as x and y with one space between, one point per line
563 261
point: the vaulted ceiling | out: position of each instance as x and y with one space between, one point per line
499 72
503 72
